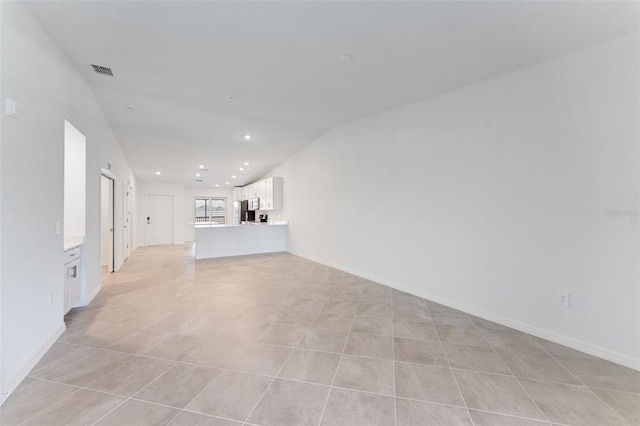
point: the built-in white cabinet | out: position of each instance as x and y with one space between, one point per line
252 191
270 191
72 283
273 190
268 194
261 194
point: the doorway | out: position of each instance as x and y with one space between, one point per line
106 224
127 207
159 219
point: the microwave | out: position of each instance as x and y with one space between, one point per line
254 204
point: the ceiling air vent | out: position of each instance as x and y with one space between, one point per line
198 180
99 69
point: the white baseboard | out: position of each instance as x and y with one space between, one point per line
13 383
560 339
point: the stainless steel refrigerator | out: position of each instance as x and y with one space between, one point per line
237 209
242 213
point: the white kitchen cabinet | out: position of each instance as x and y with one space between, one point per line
252 191
268 194
261 194
273 193
72 282
270 191
277 194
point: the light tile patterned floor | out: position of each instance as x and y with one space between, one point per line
279 340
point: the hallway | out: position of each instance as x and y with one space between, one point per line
280 340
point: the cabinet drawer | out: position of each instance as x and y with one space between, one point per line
72 254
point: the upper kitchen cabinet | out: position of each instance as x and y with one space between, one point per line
270 192
273 193
261 194
251 191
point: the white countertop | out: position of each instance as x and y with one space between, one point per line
72 242
244 225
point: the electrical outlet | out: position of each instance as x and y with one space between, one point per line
51 299
58 226
564 298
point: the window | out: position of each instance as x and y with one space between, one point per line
210 210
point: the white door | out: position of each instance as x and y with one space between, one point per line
106 219
127 220
159 219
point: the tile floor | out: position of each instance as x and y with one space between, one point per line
278 340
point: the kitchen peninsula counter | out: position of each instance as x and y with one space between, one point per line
235 240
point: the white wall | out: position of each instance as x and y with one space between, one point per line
492 197
182 207
49 91
191 193
176 190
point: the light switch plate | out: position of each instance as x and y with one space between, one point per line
11 107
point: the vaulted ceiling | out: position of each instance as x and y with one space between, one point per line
202 75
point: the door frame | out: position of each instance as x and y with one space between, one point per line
107 174
146 215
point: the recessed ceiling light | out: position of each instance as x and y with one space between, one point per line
246 164
247 137
201 166
241 169
131 106
197 174
233 176
158 173
227 183
217 185
346 58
